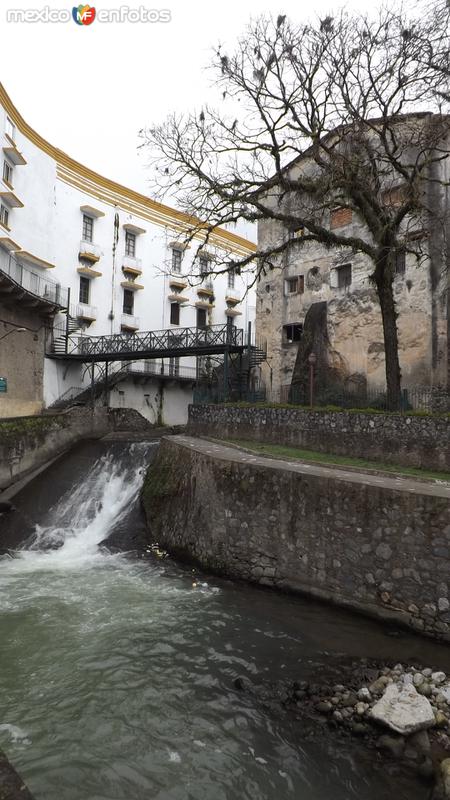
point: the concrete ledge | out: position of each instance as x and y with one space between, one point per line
378 545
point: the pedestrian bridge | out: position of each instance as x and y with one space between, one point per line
169 343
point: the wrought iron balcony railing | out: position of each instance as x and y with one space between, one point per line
31 281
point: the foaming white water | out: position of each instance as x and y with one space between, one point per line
85 515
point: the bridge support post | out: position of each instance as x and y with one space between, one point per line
93 386
225 376
67 320
106 401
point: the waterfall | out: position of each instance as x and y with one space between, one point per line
88 511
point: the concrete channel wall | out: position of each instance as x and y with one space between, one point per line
416 441
27 443
377 545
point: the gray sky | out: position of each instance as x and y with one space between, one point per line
89 90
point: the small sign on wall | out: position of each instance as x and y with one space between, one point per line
3 385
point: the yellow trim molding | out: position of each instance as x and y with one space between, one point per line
79 176
131 285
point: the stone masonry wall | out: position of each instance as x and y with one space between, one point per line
27 443
378 548
391 438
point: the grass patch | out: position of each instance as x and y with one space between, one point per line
294 453
326 409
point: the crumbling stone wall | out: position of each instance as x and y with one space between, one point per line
374 547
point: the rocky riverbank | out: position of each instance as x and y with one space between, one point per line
401 712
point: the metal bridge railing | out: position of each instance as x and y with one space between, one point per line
170 340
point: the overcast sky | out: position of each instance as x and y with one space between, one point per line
89 90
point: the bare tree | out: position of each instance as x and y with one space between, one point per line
349 111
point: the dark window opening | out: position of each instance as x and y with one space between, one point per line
295 285
128 301
204 265
88 228
130 244
344 276
176 261
85 286
174 314
400 262
201 318
293 333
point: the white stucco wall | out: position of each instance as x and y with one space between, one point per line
50 227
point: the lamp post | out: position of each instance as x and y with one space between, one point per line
312 361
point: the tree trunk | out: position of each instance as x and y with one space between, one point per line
383 281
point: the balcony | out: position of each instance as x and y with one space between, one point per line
89 251
22 285
35 261
129 323
232 312
232 300
207 304
177 297
10 150
207 290
85 312
88 272
178 283
132 265
132 285
10 199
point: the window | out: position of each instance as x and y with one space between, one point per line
10 128
7 172
174 314
4 216
395 196
294 285
176 260
201 317
130 244
204 265
174 366
344 276
293 333
400 262
85 286
231 278
88 228
340 217
128 301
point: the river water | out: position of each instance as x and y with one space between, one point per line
117 671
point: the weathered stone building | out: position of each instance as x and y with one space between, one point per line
311 298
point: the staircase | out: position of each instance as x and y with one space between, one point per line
59 342
84 395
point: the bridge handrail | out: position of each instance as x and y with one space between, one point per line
162 340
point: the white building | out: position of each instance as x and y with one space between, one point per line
122 256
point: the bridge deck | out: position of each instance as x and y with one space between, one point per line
170 343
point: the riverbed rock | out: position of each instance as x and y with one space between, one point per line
394 745
403 710
445 773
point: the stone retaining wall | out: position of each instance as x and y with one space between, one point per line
390 438
26 443
377 545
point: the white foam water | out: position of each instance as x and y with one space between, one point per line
69 536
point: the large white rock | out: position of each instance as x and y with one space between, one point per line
403 710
